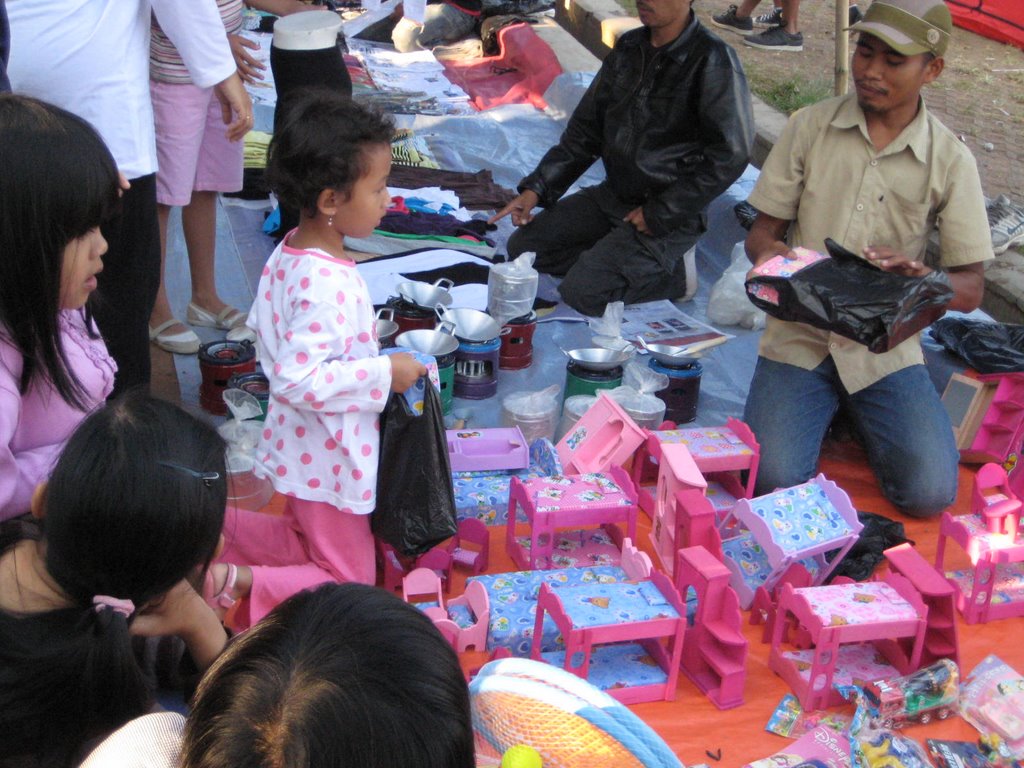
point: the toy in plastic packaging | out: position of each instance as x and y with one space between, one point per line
876 746
728 303
790 720
956 754
415 502
848 295
985 346
819 748
512 288
930 693
992 700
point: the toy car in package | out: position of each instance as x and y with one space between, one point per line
845 294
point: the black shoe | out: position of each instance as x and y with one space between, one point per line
729 20
856 14
771 19
776 39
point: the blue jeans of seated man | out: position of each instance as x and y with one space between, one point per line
901 419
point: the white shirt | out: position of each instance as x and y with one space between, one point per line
91 57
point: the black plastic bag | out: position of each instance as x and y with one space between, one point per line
415 501
850 296
879 534
986 347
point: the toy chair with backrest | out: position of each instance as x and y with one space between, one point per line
437 559
422 588
813 523
995 502
471 545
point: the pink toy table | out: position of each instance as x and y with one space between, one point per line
648 612
890 614
565 501
720 453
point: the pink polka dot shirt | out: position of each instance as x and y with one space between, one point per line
317 341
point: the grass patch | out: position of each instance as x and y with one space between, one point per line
792 93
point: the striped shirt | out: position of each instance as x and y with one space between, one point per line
165 63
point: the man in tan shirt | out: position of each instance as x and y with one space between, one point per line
877 173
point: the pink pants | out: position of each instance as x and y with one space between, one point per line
310 544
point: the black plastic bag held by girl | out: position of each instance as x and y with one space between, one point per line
415 501
852 297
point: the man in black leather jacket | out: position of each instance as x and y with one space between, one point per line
669 114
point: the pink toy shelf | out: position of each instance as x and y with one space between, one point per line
941 640
677 472
566 501
462 620
764 536
720 454
640 625
714 649
990 535
888 614
987 412
604 437
481 450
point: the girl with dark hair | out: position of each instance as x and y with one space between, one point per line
58 183
343 675
129 519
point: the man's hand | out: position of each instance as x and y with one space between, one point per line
249 68
236 107
636 218
521 209
891 260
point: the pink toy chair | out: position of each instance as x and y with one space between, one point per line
992 498
471 546
439 560
422 587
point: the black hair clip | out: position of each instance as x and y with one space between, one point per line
207 477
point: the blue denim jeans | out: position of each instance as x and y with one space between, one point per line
905 429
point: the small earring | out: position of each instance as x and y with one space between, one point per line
330 221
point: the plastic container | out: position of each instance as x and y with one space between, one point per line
535 413
573 407
245 488
512 288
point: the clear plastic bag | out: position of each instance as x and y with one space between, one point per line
728 303
512 288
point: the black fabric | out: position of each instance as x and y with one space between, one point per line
879 534
421 223
850 296
128 284
674 129
476 191
415 501
986 347
5 47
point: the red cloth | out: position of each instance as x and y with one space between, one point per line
518 75
1001 20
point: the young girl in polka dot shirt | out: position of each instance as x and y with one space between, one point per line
317 342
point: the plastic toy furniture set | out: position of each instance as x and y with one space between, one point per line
990 535
462 620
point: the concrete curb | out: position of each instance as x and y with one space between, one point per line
597 24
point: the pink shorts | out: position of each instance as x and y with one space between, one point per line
192 151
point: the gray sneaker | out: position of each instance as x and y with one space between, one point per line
771 19
776 39
1006 221
729 20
